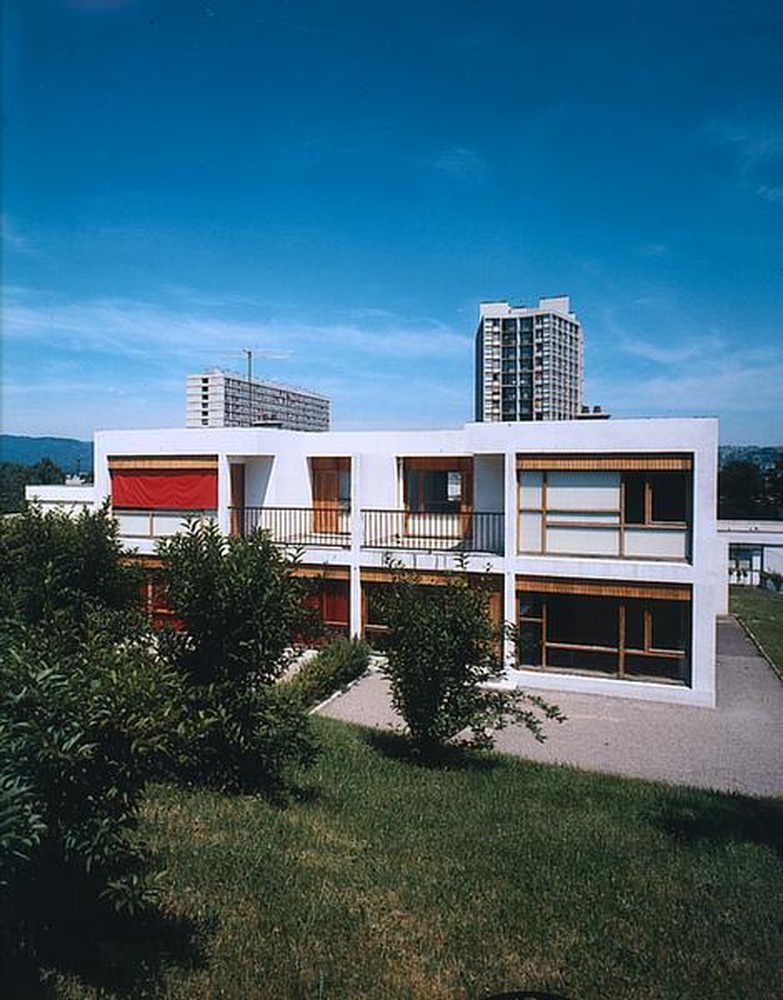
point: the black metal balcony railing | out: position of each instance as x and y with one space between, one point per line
476 531
320 525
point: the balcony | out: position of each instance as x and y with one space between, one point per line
469 531
320 525
476 532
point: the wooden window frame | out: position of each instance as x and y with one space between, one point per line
462 464
620 594
646 464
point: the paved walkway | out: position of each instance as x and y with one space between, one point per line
736 747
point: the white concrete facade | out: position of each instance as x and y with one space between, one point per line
64 499
456 500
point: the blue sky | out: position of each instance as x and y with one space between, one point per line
340 184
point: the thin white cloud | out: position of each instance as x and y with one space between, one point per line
736 386
135 329
654 249
15 240
675 343
757 143
671 354
82 364
462 163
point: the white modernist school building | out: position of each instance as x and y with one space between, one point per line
598 540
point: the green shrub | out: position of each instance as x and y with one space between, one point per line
21 824
248 737
83 727
331 669
54 566
442 652
241 607
239 601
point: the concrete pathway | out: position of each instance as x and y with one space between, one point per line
736 747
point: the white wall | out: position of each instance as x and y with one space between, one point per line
61 497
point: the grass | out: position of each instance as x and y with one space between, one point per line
388 879
762 613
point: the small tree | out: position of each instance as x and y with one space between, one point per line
15 476
241 608
442 654
56 566
741 490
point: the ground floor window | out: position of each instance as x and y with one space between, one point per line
634 638
329 601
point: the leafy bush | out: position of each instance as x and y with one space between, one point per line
332 668
442 653
241 607
21 823
54 566
248 737
239 601
83 727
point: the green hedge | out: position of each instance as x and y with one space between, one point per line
335 666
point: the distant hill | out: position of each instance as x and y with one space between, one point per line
764 457
70 454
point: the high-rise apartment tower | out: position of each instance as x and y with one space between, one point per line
528 361
225 399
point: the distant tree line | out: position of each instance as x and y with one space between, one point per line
747 490
14 477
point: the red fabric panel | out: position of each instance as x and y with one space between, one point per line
185 489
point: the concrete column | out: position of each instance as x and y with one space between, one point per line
355 602
510 553
224 494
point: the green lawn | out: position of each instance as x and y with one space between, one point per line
762 612
386 879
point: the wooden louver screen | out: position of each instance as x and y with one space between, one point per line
165 462
435 579
607 463
604 588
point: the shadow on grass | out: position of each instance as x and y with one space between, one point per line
124 956
754 821
441 758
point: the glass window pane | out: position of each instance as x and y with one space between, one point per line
634 498
583 621
530 606
582 660
667 625
651 667
634 625
670 497
529 644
